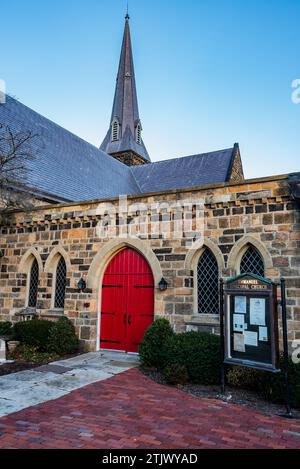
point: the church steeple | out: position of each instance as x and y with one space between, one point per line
123 140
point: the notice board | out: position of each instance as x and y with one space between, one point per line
251 324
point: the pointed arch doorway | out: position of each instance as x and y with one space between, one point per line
127 306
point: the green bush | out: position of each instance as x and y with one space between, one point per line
34 333
273 388
62 338
153 341
199 352
268 385
6 328
30 354
176 374
244 378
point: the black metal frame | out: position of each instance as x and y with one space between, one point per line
252 262
269 293
33 284
207 283
60 283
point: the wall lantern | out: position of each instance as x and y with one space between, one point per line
163 285
81 285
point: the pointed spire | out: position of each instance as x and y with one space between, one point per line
123 139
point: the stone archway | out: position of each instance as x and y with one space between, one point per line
192 260
53 258
26 261
103 257
25 266
127 305
239 249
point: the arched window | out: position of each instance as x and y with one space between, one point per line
33 284
208 283
115 130
252 262
138 133
60 283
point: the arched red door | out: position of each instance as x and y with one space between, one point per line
127 301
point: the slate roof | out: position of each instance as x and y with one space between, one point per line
189 171
125 106
71 169
64 164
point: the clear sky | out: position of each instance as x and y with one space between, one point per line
209 72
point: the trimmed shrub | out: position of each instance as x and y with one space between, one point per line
176 374
34 333
268 385
30 354
6 328
273 387
245 378
62 337
199 352
153 341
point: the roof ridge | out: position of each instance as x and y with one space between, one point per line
186 156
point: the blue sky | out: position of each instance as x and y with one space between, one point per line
209 72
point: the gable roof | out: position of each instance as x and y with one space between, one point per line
71 169
65 165
188 171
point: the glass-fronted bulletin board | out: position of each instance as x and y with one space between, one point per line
251 324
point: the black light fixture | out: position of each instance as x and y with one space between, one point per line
81 285
163 285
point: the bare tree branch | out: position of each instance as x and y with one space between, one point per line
16 150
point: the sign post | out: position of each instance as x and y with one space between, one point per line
287 389
249 327
222 346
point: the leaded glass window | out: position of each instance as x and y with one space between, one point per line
252 262
33 285
208 283
60 284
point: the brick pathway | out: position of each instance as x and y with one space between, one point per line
131 411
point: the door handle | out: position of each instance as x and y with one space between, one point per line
125 319
129 320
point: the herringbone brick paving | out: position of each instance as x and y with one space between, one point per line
131 411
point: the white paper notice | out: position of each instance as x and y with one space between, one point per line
238 322
250 338
258 311
263 333
240 303
238 342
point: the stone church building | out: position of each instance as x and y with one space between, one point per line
80 253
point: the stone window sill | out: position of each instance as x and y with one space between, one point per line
53 313
206 319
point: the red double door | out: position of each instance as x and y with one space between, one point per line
127 301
